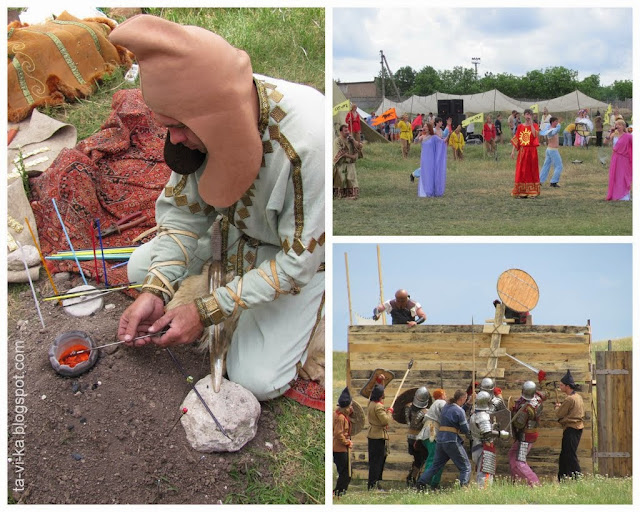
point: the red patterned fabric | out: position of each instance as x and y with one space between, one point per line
118 171
307 392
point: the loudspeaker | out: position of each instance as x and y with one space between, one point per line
457 119
444 108
457 106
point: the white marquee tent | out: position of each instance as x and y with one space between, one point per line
491 101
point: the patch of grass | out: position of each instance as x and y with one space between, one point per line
590 490
477 199
298 468
283 43
619 344
339 374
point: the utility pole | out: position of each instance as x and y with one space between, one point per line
383 62
382 73
475 61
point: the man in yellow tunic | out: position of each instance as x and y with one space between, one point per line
406 134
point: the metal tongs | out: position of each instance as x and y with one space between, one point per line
159 333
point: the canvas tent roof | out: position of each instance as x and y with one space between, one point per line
369 134
490 101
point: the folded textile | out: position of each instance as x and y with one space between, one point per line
113 173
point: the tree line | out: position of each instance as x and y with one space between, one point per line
539 84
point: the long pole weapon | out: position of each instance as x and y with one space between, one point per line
346 265
384 317
473 376
402 382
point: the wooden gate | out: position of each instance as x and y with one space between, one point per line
614 413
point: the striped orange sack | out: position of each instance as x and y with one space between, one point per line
57 60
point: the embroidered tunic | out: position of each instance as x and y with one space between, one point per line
273 239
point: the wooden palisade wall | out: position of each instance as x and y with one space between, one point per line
553 349
615 413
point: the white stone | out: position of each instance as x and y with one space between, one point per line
21 276
82 306
234 407
30 253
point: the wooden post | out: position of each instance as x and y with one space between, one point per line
497 330
346 266
473 375
384 315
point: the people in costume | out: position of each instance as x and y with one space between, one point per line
378 436
352 120
484 432
456 141
552 154
525 419
402 309
415 415
259 171
406 134
496 403
342 441
432 426
489 135
449 445
433 166
345 177
525 142
570 414
621 166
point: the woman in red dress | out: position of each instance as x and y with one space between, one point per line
525 141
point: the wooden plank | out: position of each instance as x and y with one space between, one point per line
487 352
540 329
490 329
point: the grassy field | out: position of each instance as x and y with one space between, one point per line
283 43
477 199
590 490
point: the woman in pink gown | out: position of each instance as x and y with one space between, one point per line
620 170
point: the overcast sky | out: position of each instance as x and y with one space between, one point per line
455 282
587 40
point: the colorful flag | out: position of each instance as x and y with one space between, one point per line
386 116
342 107
478 118
534 108
607 115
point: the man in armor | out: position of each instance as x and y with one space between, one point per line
402 309
496 403
415 415
526 416
484 431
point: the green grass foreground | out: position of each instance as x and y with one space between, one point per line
592 490
298 468
477 199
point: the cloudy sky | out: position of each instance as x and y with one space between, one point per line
507 40
455 282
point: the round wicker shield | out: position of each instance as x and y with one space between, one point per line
518 290
357 419
401 402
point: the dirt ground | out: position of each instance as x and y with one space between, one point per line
102 437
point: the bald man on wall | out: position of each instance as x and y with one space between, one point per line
402 309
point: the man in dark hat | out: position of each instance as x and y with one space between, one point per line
378 437
342 441
402 309
570 414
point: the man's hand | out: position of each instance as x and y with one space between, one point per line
138 317
184 324
412 323
513 152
